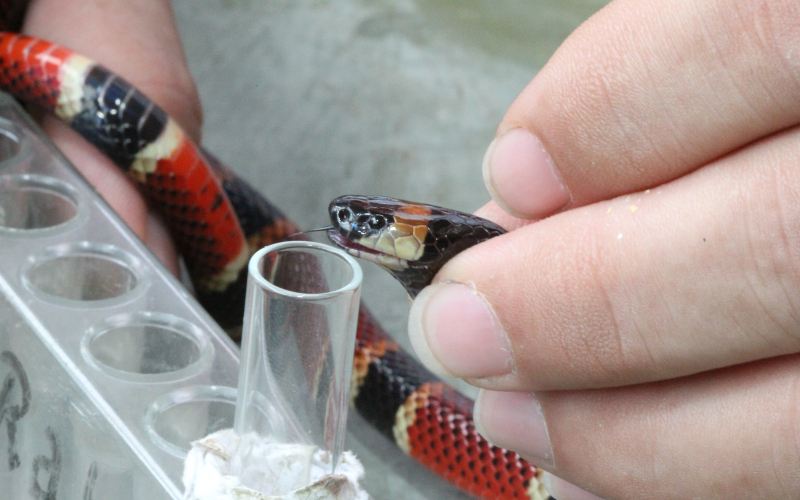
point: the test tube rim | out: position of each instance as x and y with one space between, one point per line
350 287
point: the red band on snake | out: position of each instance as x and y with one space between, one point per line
218 221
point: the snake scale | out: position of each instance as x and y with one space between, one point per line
218 221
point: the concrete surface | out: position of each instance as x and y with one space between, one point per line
311 99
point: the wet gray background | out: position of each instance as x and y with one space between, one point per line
311 99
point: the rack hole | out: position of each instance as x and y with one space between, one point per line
83 273
82 277
162 350
145 344
30 202
9 141
177 419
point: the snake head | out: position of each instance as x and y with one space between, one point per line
412 241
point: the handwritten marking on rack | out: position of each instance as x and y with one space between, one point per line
50 464
91 478
15 401
11 413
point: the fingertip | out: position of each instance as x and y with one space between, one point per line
521 176
455 332
495 213
515 421
416 333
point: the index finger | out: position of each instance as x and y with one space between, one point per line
642 93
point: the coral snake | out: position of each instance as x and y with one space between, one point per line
218 221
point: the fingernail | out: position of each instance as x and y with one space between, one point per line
514 420
455 332
562 490
521 176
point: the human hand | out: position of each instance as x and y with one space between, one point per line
655 316
140 42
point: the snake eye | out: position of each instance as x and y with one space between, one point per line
377 222
344 214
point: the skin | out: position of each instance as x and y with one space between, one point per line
651 318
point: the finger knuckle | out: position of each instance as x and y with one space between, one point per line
769 29
773 240
785 440
607 349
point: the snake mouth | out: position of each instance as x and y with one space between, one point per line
360 251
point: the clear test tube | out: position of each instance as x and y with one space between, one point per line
297 346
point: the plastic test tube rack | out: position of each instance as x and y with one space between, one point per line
108 367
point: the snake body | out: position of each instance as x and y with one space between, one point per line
218 221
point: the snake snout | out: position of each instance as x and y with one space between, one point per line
355 218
